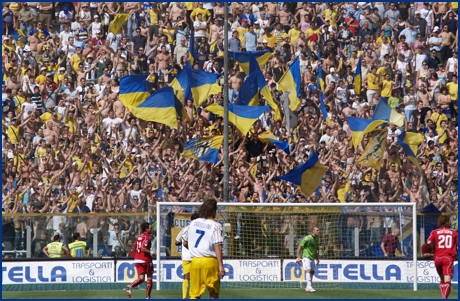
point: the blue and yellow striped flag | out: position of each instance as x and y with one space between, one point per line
162 107
249 91
402 140
243 117
118 23
268 137
204 149
308 175
375 149
414 140
243 59
357 79
291 81
196 84
192 52
320 79
133 90
384 112
360 127
248 94
203 84
341 58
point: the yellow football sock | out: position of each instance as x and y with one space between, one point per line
184 288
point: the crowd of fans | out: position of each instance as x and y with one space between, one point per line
70 146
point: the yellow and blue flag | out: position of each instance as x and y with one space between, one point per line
320 79
203 84
243 59
323 109
243 117
384 112
414 140
267 94
357 79
295 134
181 84
19 36
375 149
407 149
341 58
133 90
162 107
291 81
118 23
249 91
361 126
204 149
196 84
308 175
192 52
268 137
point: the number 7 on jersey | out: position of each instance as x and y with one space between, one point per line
201 233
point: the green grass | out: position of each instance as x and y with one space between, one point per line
332 293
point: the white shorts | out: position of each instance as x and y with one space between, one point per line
308 264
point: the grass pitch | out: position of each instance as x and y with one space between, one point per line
332 293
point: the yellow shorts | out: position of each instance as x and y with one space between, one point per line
204 274
186 266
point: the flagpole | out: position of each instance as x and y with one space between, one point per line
226 168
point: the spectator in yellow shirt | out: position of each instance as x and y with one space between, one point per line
294 33
14 130
69 120
387 87
200 10
153 20
76 58
382 71
269 37
313 35
42 77
452 87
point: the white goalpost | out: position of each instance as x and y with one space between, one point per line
261 239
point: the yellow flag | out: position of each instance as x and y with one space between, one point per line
373 154
414 140
118 22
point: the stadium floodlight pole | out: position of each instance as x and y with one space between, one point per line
226 178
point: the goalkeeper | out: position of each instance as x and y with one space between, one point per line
307 253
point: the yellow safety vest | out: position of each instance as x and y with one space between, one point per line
55 249
78 249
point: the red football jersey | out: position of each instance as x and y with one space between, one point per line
143 241
445 242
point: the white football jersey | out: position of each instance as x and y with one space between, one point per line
202 235
185 252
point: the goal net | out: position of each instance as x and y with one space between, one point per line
261 241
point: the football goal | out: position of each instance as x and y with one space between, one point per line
261 241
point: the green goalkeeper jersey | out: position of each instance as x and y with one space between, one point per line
309 246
